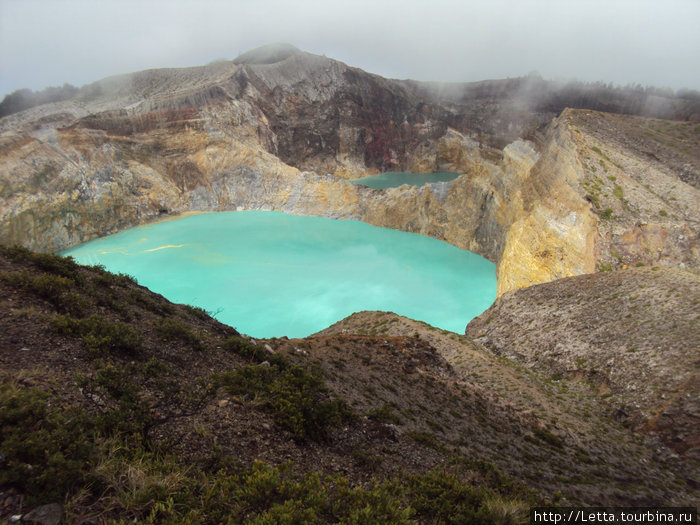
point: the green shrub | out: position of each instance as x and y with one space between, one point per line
48 262
606 214
384 414
244 348
45 452
264 494
48 286
124 279
110 278
137 482
296 397
593 198
176 330
547 437
99 335
121 384
599 152
424 438
617 191
136 396
105 278
505 511
441 496
241 347
149 302
196 311
54 288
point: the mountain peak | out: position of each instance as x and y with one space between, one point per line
267 54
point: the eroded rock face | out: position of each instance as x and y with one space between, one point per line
283 134
331 118
93 182
593 201
642 178
147 149
554 233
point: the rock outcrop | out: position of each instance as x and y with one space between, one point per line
553 234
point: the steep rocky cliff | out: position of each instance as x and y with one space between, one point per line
281 129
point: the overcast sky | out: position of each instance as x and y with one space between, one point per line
650 42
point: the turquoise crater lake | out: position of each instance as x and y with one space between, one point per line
271 274
394 179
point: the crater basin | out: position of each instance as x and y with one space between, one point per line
271 274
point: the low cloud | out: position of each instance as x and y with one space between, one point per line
46 42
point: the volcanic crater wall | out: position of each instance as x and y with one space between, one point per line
284 135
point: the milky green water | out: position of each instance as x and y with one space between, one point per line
271 274
394 179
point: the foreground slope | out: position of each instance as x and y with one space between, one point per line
177 414
116 404
632 335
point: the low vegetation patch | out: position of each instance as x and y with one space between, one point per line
600 152
606 214
198 312
267 494
63 266
100 335
297 398
255 353
106 472
617 191
45 452
385 414
56 289
176 330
